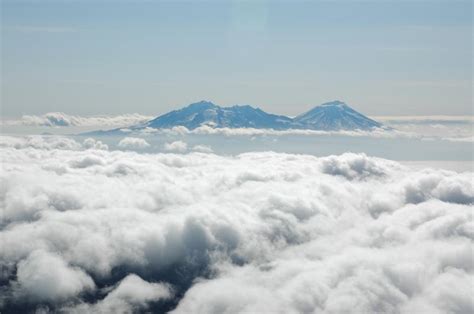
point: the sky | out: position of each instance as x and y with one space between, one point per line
114 57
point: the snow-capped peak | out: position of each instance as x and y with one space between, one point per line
334 115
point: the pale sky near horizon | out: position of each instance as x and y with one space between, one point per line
112 57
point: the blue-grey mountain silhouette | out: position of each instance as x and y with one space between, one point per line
335 115
330 116
207 113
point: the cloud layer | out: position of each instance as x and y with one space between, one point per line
449 132
60 119
92 230
207 130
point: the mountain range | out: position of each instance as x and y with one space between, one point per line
330 116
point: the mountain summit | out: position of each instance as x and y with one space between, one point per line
207 113
335 115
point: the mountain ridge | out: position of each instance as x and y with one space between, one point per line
207 113
330 116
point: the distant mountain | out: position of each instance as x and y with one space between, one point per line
207 113
335 115
331 116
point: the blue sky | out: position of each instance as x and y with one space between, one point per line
97 57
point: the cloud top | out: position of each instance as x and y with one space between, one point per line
60 119
93 230
45 276
133 142
176 146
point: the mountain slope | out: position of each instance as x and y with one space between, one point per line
331 116
207 113
335 115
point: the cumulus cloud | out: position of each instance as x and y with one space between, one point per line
45 276
60 119
130 295
176 146
90 143
133 142
89 230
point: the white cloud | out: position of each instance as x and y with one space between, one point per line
176 146
249 233
44 276
449 128
468 139
133 142
90 143
60 119
462 132
130 295
39 142
207 130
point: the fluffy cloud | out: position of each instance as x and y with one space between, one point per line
133 142
130 295
89 230
45 276
90 143
60 119
176 146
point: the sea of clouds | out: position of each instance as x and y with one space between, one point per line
453 133
89 230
